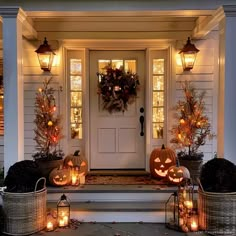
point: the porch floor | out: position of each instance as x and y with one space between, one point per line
119 229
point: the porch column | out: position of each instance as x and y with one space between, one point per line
12 18
226 134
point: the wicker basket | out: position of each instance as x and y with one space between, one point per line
24 213
217 212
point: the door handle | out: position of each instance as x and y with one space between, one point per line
141 120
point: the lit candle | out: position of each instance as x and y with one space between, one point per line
61 222
74 180
49 226
82 179
194 226
188 204
66 220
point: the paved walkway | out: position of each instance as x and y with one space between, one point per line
118 229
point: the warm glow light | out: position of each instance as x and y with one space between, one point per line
188 204
188 55
82 179
178 60
194 226
49 226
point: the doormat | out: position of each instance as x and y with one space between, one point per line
110 179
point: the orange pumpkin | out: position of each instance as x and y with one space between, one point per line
161 160
176 174
77 160
59 177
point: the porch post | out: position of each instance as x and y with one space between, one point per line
12 18
226 135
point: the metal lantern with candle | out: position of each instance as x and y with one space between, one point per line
179 207
63 212
188 55
172 211
45 56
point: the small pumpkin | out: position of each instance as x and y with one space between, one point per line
161 160
176 174
59 176
77 160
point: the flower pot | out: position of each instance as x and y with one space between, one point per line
194 167
46 166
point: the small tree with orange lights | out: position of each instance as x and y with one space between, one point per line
48 131
193 127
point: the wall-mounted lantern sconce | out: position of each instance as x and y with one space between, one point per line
188 55
45 55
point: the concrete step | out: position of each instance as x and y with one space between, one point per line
114 203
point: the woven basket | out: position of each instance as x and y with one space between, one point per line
24 213
217 212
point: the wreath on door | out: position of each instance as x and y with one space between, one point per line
117 89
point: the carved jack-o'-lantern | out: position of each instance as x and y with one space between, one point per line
59 177
176 174
161 160
76 160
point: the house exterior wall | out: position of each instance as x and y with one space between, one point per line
204 76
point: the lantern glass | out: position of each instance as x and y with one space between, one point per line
188 55
45 60
172 211
45 56
63 211
178 208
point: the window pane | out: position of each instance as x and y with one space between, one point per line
158 130
158 114
102 65
158 99
117 64
76 99
158 66
76 83
76 131
75 66
158 82
76 115
130 65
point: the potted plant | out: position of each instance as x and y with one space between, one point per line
48 131
191 130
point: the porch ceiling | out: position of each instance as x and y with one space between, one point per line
171 25
116 24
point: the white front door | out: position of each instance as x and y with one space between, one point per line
116 140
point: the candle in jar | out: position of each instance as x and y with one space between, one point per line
82 179
74 179
49 226
61 223
194 226
66 220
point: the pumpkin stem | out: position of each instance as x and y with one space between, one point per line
163 146
77 153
